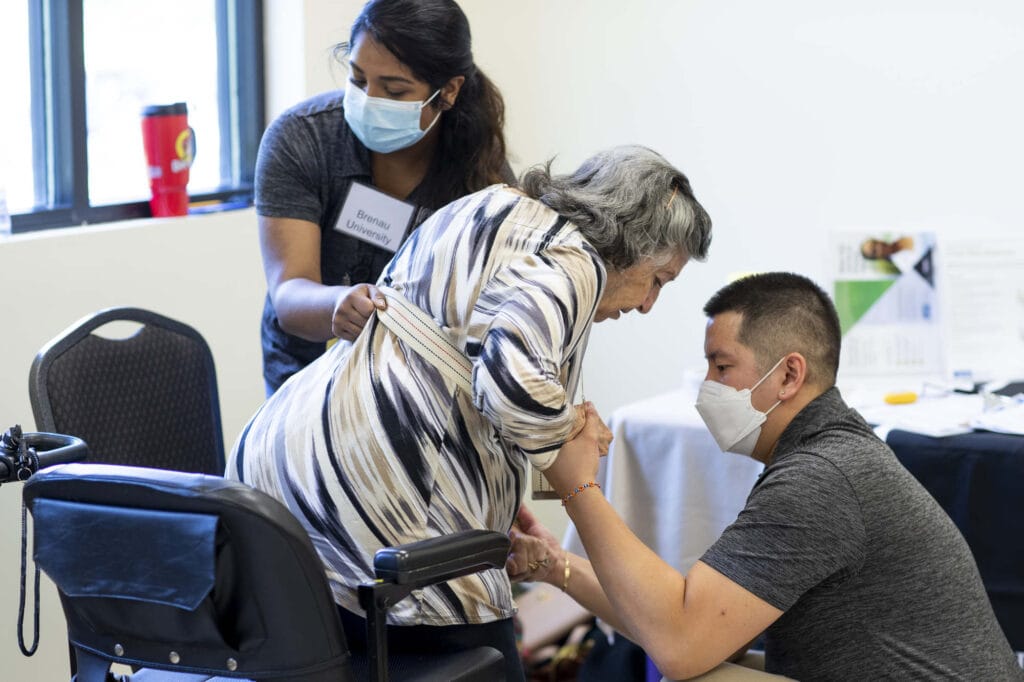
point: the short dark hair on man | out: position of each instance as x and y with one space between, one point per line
783 313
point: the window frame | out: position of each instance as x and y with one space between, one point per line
59 131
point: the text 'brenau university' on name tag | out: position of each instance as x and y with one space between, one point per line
374 217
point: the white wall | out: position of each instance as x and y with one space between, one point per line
299 37
792 118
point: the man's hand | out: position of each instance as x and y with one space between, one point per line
353 308
604 439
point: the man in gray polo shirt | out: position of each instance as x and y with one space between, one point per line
845 563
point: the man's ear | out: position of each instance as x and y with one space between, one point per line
795 365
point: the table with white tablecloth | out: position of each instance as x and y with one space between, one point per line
668 479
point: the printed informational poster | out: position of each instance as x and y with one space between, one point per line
984 304
886 295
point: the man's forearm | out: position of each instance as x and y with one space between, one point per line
581 583
645 594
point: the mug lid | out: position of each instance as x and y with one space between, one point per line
165 109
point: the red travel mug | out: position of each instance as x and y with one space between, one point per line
170 147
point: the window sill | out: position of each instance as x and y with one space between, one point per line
202 212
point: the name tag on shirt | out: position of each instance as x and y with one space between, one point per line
374 217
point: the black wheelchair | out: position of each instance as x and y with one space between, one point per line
189 577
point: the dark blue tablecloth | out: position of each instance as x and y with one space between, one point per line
978 478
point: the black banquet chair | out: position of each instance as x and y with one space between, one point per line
192 577
147 399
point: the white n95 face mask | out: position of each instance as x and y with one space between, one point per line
385 125
731 418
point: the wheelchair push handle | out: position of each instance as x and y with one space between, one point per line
23 454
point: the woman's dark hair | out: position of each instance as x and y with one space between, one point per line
432 38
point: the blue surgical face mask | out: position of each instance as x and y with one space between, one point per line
385 125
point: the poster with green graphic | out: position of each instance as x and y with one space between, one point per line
885 293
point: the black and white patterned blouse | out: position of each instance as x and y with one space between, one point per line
370 446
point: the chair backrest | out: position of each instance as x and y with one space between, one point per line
183 572
149 399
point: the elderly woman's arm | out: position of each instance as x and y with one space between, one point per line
540 311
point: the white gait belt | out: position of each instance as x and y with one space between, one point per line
421 333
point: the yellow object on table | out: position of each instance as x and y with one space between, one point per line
903 398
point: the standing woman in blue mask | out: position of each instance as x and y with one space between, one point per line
344 177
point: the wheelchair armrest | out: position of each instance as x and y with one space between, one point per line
436 560
405 568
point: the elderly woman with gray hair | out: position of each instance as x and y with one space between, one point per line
372 445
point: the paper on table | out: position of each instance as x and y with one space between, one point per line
947 415
1009 419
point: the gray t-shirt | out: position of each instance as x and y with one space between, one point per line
874 579
307 162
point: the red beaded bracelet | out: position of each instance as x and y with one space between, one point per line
577 491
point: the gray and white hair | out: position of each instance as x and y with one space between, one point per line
630 204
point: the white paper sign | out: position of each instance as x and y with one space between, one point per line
984 293
374 217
